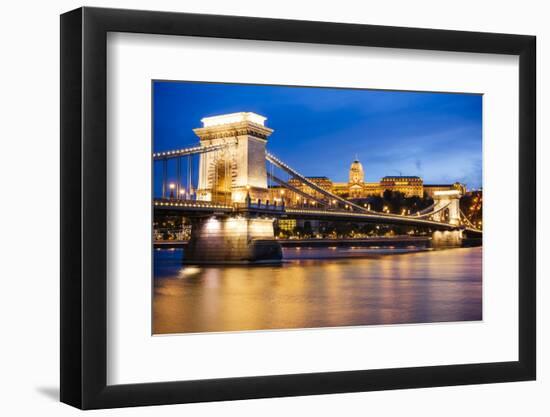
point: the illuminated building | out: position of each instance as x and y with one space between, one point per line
322 182
278 194
409 186
357 188
287 224
356 173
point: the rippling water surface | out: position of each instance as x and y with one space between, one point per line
318 287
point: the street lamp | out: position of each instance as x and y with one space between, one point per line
182 193
172 186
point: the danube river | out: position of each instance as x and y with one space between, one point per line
318 287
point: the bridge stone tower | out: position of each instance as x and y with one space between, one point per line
229 174
451 199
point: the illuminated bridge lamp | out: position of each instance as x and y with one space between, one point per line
172 186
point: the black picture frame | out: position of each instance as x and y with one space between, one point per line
84 207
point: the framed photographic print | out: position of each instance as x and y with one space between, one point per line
257 208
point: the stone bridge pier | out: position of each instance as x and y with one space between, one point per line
446 239
238 239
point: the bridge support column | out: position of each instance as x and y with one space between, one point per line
232 240
446 239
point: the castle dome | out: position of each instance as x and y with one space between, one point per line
356 173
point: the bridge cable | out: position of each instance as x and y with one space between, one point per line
271 158
468 221
295 190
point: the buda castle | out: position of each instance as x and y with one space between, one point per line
357 187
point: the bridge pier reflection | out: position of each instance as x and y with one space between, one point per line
442 239
235 239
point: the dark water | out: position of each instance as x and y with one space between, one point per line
318 287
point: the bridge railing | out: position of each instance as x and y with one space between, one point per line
261 205
182 203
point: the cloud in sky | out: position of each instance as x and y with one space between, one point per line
320 130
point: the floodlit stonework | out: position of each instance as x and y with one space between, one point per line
227 175
233 174
446 239
232 239
447 206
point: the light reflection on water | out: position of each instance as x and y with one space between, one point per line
348 286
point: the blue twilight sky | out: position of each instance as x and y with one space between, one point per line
318 131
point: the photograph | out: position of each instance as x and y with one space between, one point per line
298 207
253 209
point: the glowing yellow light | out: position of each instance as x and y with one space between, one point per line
172 185
188 271
233 118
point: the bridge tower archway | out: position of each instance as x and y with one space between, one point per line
221 174
447 206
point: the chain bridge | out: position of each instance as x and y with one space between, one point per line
225 186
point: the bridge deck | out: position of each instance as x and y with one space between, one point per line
208 208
